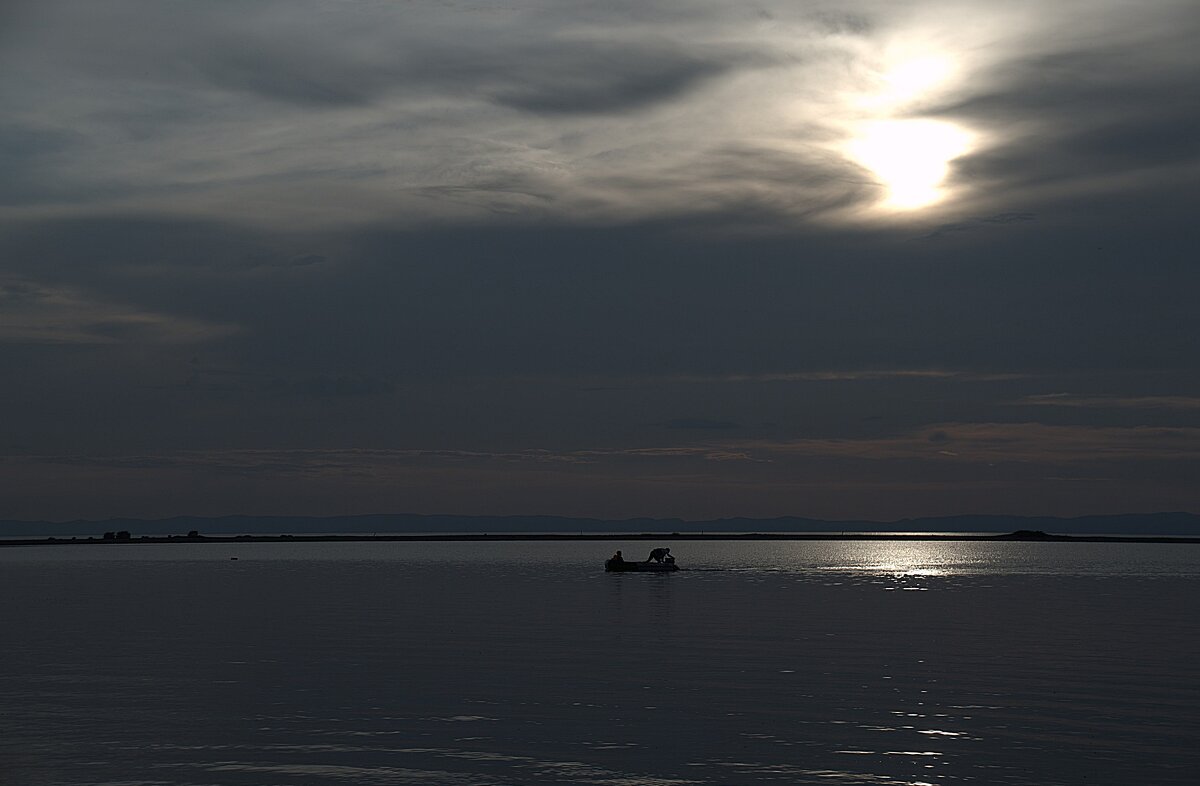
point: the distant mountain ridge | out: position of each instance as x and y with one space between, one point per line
1177 523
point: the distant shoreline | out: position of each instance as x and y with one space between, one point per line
1024 536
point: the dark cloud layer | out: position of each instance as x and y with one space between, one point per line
570 301
577 76
1096 120
307 259
604 78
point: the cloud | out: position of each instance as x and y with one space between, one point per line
585 76
430 112
1107 106
573 75
858 375
1111 402
39 314
983 222
328 387
631 302
367 462
26 151
1006 442
699 424
532 235
968 443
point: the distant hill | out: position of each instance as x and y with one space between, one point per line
1179 524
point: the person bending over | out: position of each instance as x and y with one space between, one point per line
658 555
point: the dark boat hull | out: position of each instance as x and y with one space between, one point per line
640 567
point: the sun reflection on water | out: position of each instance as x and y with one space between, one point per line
900 565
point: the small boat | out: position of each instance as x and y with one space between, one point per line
614 566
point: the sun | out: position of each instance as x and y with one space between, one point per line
911 80
910 157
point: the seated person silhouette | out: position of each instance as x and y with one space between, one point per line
658 555
616 557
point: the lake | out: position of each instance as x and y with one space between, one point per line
831 662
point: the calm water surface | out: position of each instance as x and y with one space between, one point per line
523 663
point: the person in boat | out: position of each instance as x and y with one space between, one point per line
659 555
616 557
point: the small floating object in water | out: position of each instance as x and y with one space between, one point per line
620 566
233 557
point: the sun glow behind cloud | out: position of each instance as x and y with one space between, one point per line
910 80
908 154
374 114
911 157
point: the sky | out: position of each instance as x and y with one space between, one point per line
844 260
